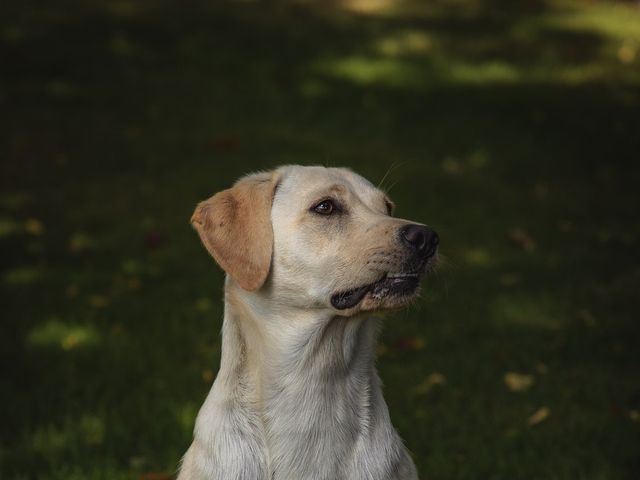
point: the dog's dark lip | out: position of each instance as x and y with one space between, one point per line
350 298
396 283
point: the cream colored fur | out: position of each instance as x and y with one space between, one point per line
297 396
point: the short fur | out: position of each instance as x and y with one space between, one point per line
235 227
297 396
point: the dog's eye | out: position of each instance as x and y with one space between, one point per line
325 207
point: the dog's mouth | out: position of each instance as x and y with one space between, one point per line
389 285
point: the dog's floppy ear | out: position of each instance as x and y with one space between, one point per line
235 227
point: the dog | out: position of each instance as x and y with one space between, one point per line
311 255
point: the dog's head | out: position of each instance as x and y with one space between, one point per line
316 237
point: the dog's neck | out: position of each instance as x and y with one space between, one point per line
299 395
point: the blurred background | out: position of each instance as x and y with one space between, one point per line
511 127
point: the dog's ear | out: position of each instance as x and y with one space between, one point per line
235 227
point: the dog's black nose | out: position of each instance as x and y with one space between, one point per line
420 238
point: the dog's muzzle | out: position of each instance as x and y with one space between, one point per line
421 244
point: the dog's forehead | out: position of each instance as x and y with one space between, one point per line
298 182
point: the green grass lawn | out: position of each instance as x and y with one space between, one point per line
513 129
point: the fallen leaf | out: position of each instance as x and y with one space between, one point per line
539 416
522 239
509 279
541 368
203 304
430 382
72 291
587 317
627 52
34 227
61 160
381 350
478 257
70 342
154 239
541 190
224 143
452 166
565 226
410 343
117 329
79 242
518 382
155 476
98 301
131 266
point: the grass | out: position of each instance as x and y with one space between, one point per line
512 129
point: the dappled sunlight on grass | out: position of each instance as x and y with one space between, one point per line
614 20
372 71
583 44
51 441
526 310
376 7
186 416
481 73
477 257
438 70
54 333
8 227
404 43
22 276
15 200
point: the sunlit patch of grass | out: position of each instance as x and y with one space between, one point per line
576 75
477 257
399 9
313 89
367 6
52 440
537 311
482 72
364 70
53 333
186 416
394 72
616 25
49 441
8 227
397 73
22 276
390 65
80 242
15 200
404 42
615 21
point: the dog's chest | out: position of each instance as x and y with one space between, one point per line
329 420
311 426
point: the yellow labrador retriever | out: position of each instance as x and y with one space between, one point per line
311 253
